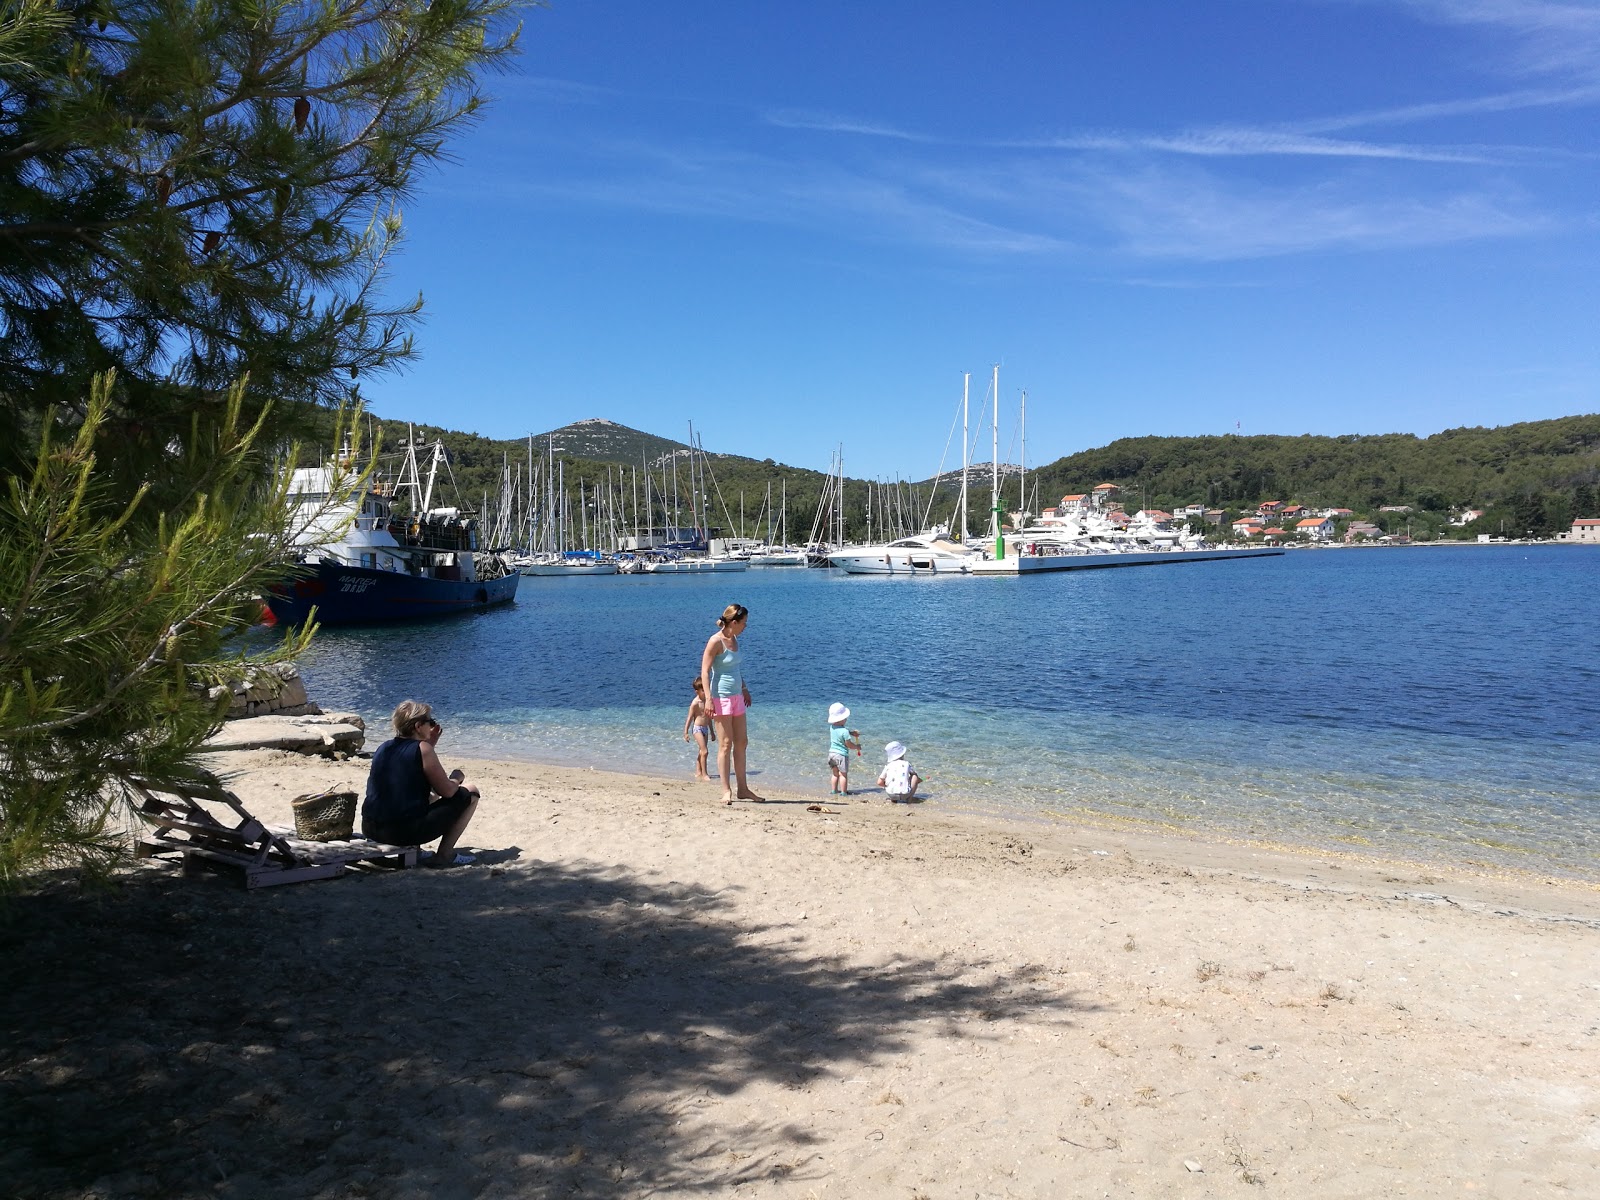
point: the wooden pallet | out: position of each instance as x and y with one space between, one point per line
207 827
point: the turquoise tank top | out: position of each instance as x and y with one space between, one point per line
726 678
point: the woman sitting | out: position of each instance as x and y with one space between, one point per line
410 799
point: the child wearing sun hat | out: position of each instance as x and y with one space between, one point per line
840 742
898 779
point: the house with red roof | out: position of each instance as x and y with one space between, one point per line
1318 529
1269 508
1584 529
1246 527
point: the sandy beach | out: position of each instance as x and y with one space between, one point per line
639 992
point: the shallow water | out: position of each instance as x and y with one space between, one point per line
1434 703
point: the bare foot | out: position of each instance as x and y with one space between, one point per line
703 778
749 795
726 798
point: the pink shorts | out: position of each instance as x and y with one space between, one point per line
727 706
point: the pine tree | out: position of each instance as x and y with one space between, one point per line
192 194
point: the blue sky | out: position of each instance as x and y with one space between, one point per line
797 225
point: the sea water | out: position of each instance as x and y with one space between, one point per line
1434 703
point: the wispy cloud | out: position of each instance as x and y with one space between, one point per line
1246 142
883 207
1467 107
560 90
1186 215
1551 37
834 123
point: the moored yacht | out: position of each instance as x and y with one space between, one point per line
919 554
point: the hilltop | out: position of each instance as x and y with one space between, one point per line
599 440
1534 475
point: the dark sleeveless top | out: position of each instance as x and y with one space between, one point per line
397 789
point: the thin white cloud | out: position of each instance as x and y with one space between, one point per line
746 187
1244 142
1552 37
549 88
1157 214
1474 106
831 123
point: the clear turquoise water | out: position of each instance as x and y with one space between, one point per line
1434 703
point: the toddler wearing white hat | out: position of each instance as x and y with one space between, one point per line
898 779
840 742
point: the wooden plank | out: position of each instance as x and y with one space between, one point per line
268 877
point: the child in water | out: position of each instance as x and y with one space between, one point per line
898 779
698 722
840 742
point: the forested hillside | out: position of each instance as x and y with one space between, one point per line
1535 476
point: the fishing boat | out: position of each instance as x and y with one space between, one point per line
360 562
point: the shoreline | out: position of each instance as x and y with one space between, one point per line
637 991
1153 833
1292 865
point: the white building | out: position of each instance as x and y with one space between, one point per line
1584 529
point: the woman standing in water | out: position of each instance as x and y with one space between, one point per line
727 697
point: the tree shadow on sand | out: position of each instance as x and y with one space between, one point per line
542 1030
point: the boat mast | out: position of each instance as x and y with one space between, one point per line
840 495
994 431
966 392
433 473
1022 489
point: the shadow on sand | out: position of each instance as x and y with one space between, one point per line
535 1031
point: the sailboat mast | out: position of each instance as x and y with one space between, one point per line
840 495
999 537
1022 488
966 394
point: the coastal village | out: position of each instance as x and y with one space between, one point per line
1280 521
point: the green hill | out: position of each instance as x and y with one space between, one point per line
1536 475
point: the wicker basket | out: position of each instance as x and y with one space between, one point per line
325 816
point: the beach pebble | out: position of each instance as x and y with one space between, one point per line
1192 1165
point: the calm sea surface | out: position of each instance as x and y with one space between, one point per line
1433 703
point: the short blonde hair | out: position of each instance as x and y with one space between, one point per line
408 714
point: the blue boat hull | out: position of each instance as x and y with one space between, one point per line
345 595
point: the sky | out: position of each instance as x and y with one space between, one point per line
798 226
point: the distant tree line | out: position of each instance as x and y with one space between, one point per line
1533 477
